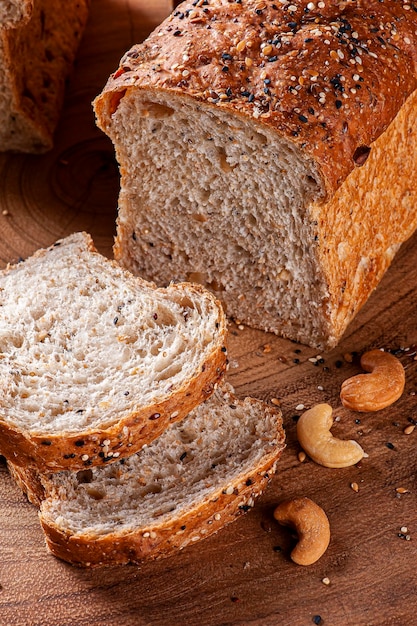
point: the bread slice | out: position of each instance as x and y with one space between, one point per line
198 476
38 43
94 362
264 154
13 12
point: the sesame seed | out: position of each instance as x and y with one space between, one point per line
409 429
241 46
311 6
354 487
325 581
300 407
404 529
217 517
229 491
84 457
402 490
275 401
301 456
106 442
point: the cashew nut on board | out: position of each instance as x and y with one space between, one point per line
377 390
312 527
314 436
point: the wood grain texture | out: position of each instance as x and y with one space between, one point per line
243 575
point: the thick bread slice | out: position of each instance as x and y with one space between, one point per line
267 149
197 477
36 57
94 362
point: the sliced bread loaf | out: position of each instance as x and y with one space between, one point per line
38 42
265 153
198 476
94 362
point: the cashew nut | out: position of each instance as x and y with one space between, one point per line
312 527
377 390
314 436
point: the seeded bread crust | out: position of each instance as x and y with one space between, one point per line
337 133
335 80
154 539
54 448
37 51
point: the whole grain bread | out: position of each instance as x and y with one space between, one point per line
38 43
95 363
268 151
198 476
13 12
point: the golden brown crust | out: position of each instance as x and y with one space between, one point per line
361 228
322 77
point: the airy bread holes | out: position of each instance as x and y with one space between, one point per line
155 110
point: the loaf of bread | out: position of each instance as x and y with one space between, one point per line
198 476
38 42
95 363
268 150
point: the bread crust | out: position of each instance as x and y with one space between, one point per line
161 540
63 450
197 52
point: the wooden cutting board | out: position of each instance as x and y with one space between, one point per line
244 574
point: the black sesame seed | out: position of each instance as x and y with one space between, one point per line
225 68
390 445
272 59
245 508
69 456
79 443
177 33
249 482
338 104
317 620
154 416
277 549
183 527
303 118
226 56
46 442
116 319
183 455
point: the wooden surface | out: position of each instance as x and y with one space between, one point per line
244 574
